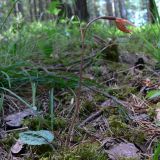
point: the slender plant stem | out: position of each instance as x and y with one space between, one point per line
92 21
33 84
15 95
77 107
52 107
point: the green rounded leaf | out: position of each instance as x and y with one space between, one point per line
153 94
36 137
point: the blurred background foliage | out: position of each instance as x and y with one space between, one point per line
36 32
138 11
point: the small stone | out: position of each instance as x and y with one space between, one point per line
123 150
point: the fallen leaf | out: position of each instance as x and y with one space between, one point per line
17 147
15 120
123 150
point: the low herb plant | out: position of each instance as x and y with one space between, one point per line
121 25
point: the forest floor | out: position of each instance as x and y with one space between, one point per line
119 112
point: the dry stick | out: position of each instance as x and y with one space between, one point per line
151 70
115 99
91 118
17 129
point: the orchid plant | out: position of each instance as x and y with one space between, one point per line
121 24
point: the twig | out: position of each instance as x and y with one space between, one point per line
154 72
109 96
151 142
115 99
18 129
96 137
91 117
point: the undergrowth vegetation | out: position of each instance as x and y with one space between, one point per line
38 43
44 57
49 41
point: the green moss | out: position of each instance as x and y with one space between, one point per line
99 98
123 92
32 123
86 151
136 136
9 141
117 126
151 111
37 123
97 71
128 159
87 108
59 123
121 129
110 110
43 150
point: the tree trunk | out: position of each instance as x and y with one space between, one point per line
96 9
92 9
30 10
65 10
35 9
48 16
15 10
122 8
109 9
68 10
19 8
81 9
41 10
116 8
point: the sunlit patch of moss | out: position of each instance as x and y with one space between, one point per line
44 158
